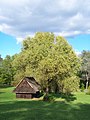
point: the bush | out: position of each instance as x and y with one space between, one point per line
49 98
82 87
69 85
88 91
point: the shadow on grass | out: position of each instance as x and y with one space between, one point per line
39 110
2 92
67 97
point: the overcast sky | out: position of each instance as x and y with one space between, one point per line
20 18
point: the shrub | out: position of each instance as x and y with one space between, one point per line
49 98
88 91
82 87
70 84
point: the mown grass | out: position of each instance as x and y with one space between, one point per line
74 107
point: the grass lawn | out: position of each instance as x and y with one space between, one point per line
76 107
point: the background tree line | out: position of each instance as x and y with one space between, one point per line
50 60
85 69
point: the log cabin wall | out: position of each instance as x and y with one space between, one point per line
24 95
27 88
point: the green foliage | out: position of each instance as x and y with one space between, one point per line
82 87
48 98
85 66
88 91
19 65
6 71
47 60
70 84
1 61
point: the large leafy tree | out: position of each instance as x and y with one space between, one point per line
85 66
0 69
6 71
50 60
1 60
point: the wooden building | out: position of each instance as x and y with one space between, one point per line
27 88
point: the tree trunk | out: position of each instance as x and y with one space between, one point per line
48 86
47 90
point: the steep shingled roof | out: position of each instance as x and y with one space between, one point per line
33 86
